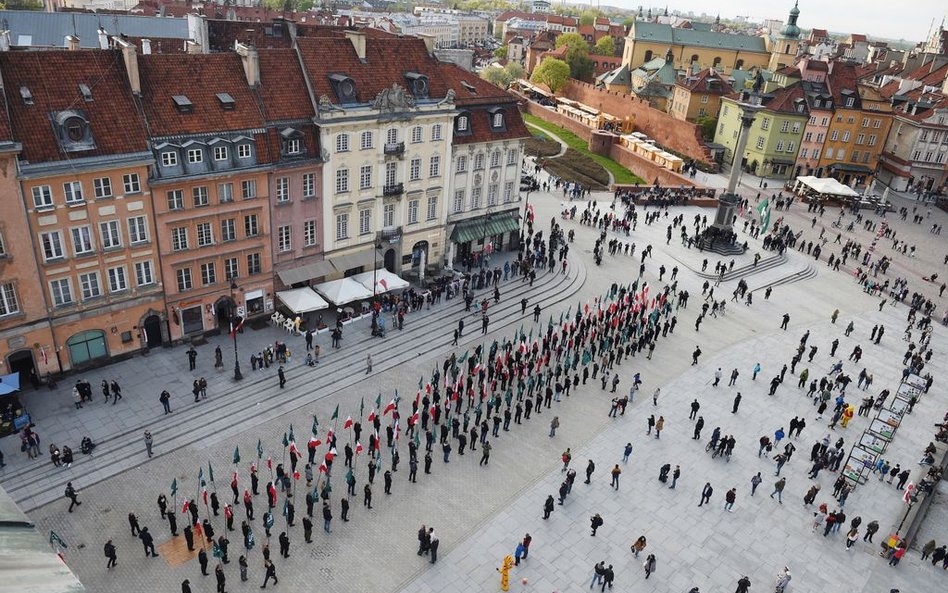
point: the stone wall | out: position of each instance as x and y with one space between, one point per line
578 128
681 136
646 169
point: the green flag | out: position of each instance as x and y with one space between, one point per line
217 552
259 449
362 408
210 472
201 481
463 357
174 487
315 428
421 383
236 455
378 402
286 440
335 413
763 210
292 437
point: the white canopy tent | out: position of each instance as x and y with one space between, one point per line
826 185
302 300
342 291
385 281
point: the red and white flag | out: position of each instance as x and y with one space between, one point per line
358 447
389 407
236 327
347 423
372 415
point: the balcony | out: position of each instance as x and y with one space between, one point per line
394 189
394 148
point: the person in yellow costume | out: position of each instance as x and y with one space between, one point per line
505 572
847 415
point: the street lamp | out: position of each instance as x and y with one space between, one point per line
235 322
375 269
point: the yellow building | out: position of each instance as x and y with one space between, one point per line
699 96
698 47
785 45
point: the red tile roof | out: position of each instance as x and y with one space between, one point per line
6 132
199 78
482 132
703 83
53 78
282 87
856 37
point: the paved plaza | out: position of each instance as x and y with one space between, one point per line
481 513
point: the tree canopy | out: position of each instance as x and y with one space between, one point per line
606 46
552 72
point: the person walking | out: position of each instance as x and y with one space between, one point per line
616 472
639 545
706 493
109 550
148 442
743 585
590 468
554 424
433 545
282 376
72 495
755 482
595 522
368 364
778 489
221 579
148 542
270 570
626 452
649 565
729 499
659 425
548 506
737 403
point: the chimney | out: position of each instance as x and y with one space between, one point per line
5 40
146 47
130 57
358 42
71 42
429 42
192 47
103 39
251 61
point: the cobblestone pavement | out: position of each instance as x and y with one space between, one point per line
480 512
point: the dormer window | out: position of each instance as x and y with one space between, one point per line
293 146
195 155
169 158
243 151
182 104
469 87
417 84
344 87
292 141
850 101
463 123
73 130
227 102
26 95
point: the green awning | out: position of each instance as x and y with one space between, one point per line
850 168
485 226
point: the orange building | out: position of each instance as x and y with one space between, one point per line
210 182
83 173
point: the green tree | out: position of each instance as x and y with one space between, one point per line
628 22
305 5
515 70
496 76
552 72
708 127
22 5
574 41
501 52
606 46
588 17
577 55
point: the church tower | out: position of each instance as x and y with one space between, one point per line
785 45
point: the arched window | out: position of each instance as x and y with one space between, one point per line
716 63
694 59
391 136
739 64
86 346
648 55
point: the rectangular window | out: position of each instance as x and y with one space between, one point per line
760 142
779 147
492 192
243 151
8 302
479 161
865 122
917 155
231 268
796 127
248 189
785 127
200 196
512 157
250 225
414 170
117 280
876 123
855 156
824 122
102 187
253 264
283 189
765 124
228 229
866 155
434 169
846 136
81 240
284 239
179 238
388 215
461 164
872 139
808 137
416 135
790 146
816 153
184 279
61 291
42 197
342 226
508 192
111 234
175 199
495 159
169 158
366 141
819 138
309 185
195 155
432 207
834 136
813 120
208 274
436 132
89 284
309 233
365 221
860 138
365 177
342 181
131 183
143 273
475 198
458 205
220 153
73 192
342 143
829 153
225 192
803 152
205 234
412 211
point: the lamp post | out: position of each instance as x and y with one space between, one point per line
375 268
235 321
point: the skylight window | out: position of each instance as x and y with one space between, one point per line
86 92
227 102
183 104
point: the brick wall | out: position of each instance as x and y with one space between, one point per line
681 136
646 169
559 119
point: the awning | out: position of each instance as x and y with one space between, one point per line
342 291
385 281
306 273
302 300
9 383
344 263
850 168
827 185
485 226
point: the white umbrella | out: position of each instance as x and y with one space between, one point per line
342 291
